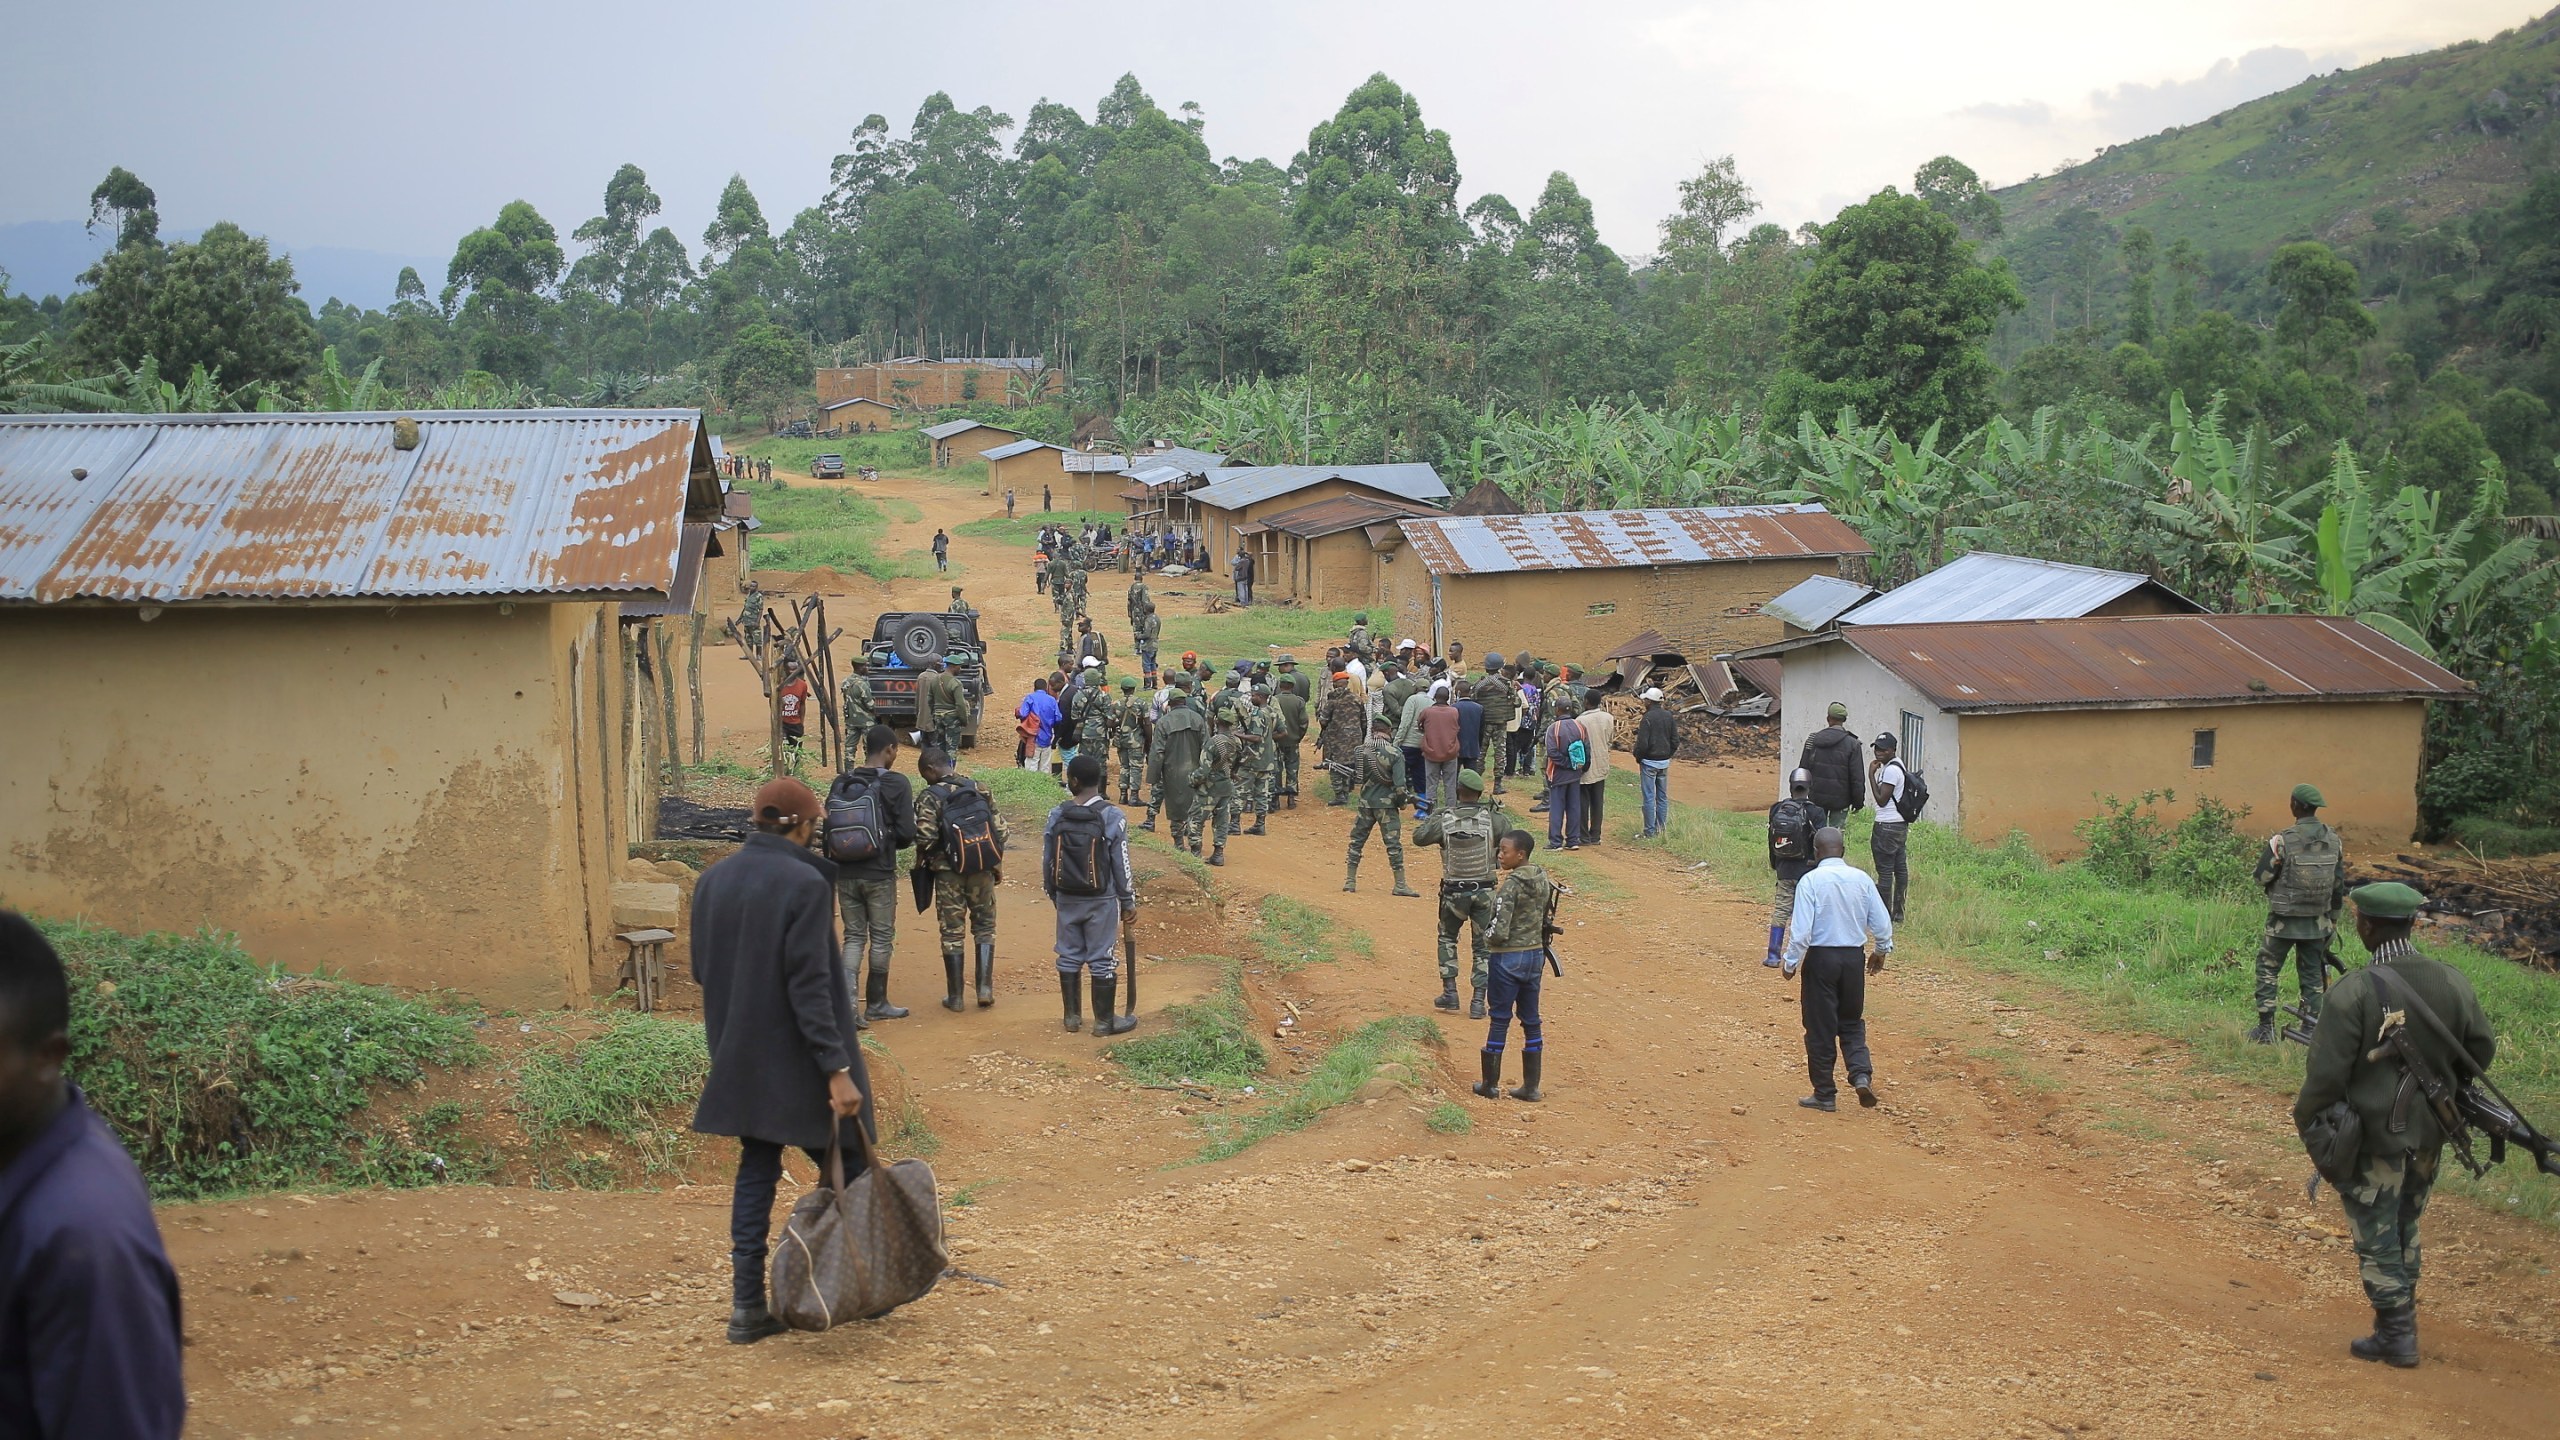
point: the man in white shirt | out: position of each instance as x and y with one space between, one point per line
1600 728
1837 912
1892 838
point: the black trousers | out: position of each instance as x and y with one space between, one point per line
1515 752
751 1211
1835 1014
1592 796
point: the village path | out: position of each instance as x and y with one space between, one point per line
2043 1230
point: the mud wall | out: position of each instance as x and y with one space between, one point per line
424 796
1581 615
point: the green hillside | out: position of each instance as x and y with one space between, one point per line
2432 136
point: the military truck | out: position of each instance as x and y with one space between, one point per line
901 642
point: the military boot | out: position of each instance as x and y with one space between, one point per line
986 973
1351 879
1149 823
1258 817
875 998
1071 995
1531 1063
2265 1034
1490 1087
2394 1340
1475 1007
951 979
1219 855
1107 1019
1448 994
1402 888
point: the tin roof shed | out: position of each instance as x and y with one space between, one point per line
1621 539
1986 585
1234 487
1017 447
1816 601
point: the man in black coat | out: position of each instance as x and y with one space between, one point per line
785 1067
1837 764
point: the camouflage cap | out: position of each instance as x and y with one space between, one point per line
2388 900
1288 662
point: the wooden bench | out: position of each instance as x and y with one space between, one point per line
644 969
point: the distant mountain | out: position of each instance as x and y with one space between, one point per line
45 257
2433 136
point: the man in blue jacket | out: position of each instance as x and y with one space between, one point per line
778 1016
88 1302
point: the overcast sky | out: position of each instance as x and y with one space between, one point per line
397 128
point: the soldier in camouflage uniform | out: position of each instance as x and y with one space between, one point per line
2402 1142
751 617
2303 870
1465 833
1148 627
1229 700
1141 600
964 904
1076 578
1058 568
1359 638
1129 738
1180 735
1216 781
942 706
1095 716
1378 769
857 712
1501 701
1259 760
1289 734
1341 719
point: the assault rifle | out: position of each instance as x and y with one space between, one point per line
2476 1104
1547 940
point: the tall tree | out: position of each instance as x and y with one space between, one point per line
507 270
2323 318
1891 322
2141 254
1376 156
126 206
614 236
1952 189
221 301
735 221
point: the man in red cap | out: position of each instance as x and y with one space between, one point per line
785 1068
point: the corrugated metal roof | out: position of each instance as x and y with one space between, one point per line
1989 586
1018 447
1232 487
1764 674
949 428
322 507
2141 661
681 595
857 400
1152 476
1815 601
1182 457
1342 512
1087 462
1620 539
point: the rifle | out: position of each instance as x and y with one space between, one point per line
1547 939
2475 1104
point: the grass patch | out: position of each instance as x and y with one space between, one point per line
221 1074
1392 1041
1295 934
1018 637
2498 840
723 767
621 1081
1023 797
1207 1042
887 451
967 1195
1024 529
806 527
1449 1118
2150 960
1252 633
1190 864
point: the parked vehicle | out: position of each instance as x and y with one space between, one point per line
827 467
901 641
796 430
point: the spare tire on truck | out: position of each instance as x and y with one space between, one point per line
919 638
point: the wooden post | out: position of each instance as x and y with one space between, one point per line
693 682
670 753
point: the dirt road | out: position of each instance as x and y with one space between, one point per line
2043 1230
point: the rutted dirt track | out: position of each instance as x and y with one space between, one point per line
2042 1231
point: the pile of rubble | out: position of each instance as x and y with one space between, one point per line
2507 907
1719 717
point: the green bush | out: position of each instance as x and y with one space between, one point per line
2204 854
222 1074
2498 840
1208 1042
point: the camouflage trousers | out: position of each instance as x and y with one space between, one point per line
2309 959
964 904
1133 769
1458 909
1783 912
1253 791
1286 779
1218 808
869 910
2382 1210
1386 819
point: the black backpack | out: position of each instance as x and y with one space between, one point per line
1791 826
969 830
856 829
1077 862
1913 797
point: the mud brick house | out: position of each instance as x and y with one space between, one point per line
914 383
1237 496
1024 466
860 413
1328 553
954 442
1572 584
2022 724
363 704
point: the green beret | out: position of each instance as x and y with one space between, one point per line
1128 682
2310 795
2388 900
1470 780
1182 684
1839 711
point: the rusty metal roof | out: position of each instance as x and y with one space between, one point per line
173 508
2150 661
680 597
1342 512
1620 539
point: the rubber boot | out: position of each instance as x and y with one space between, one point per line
1107 1019
1490 1087
875 998
986 973
750 1322
1475 1007
951 979
1219 855
1448 994
2265 1034
1531 1062
1402 888
1258 817
1149 824
1071 996
2394 1340
1351 879
1777 937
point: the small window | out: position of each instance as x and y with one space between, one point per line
1606 607
2203 757
1911 738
